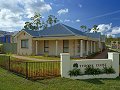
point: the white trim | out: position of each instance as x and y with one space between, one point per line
21 32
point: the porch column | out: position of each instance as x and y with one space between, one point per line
94 47
81 48
36 44
56 47
91 47
87 47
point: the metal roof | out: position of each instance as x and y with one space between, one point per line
61 30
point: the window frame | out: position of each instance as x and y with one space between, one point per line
65 47
26 45
46 48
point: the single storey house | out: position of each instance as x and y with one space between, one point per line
58 39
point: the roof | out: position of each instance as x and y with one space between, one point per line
56 30
94 35
60 30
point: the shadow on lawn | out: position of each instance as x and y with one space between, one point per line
94 81
99 81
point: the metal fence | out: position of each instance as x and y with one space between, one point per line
32 70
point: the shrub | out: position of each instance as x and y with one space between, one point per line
74 72
108 70
92 71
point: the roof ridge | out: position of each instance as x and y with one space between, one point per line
67 28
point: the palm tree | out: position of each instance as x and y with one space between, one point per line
95 28
83 27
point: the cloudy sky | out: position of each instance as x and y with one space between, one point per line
104 13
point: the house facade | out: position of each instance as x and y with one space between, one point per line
115 44
58 39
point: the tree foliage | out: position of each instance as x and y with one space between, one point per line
37 23
95 28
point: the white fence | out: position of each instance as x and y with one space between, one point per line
67 65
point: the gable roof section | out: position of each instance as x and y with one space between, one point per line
32 33
56 30
60 30
75 31
94 35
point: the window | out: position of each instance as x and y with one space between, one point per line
46 46
24 43
78 46
65 46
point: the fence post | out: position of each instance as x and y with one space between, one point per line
115 61
9 63
65 64
26 70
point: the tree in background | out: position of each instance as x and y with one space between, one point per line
52 20
95 28
83 27
37 23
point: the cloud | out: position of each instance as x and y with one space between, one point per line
79 5
62 11
115 30
77 20
66 20
108 29
106 14
14 12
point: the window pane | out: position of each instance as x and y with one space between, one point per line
46 49
66 46
66 50
46 46
46 43
24 43
66 43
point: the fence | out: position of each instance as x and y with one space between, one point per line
9 48
32 70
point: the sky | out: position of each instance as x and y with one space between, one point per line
74 13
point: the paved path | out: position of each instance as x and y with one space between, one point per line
102 55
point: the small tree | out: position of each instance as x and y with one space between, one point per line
52 20
83 27
37 23
95 28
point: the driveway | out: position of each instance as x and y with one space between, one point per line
102 55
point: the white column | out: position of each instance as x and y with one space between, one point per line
94 47
87 47
65 64
81 48
91 47
36 44
56 47
115 61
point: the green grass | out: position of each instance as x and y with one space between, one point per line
44 58
9 81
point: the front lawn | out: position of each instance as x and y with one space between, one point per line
9 81
45 58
